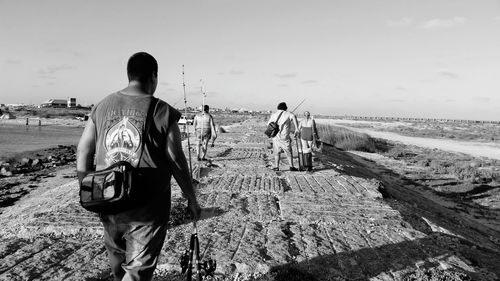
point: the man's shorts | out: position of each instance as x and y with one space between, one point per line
282 145
206 135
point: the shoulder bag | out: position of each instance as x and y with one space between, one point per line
273 128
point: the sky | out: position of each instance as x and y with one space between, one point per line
421 58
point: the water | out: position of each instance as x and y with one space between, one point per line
15 139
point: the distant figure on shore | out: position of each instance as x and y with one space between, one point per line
204 128
308 137
115 132
282 141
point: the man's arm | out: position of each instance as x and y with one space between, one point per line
212 125
315 130
180 169
195 122
85 150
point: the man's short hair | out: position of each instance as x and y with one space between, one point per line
282 106
140 66
206 108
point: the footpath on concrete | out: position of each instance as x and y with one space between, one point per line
337 223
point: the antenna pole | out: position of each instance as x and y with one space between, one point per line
187 126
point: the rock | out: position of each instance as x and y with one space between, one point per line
221 130
26 161
36 162
5 172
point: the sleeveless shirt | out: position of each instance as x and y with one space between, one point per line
120 120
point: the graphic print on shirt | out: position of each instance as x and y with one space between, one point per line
122 142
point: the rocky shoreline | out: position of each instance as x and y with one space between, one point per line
33 161
24 172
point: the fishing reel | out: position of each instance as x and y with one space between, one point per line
190 261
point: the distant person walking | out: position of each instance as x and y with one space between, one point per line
204 128
308 137
282 141
115 132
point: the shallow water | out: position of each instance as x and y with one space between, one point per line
15 138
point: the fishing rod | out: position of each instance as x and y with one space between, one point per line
191 260
203 94
173 105
298 105
297 141
187 128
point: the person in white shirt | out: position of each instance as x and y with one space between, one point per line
282 141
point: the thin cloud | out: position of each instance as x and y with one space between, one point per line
12 61
283 85
443 23
236 72
286 75
482 99
497 18
212 94
193 94
61 51
309 82
401 88
448 74
397 100
426 80
52 69
399 22
46 77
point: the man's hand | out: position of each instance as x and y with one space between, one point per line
296 134
195 209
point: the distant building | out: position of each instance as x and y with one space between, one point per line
70 102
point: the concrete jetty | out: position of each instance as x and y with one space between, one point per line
341 222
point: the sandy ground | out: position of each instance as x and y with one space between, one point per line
477 149
348 220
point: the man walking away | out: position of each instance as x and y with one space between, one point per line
308 136
115 132
282 141
204 127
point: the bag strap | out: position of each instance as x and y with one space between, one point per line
279 117
278 120
149 120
